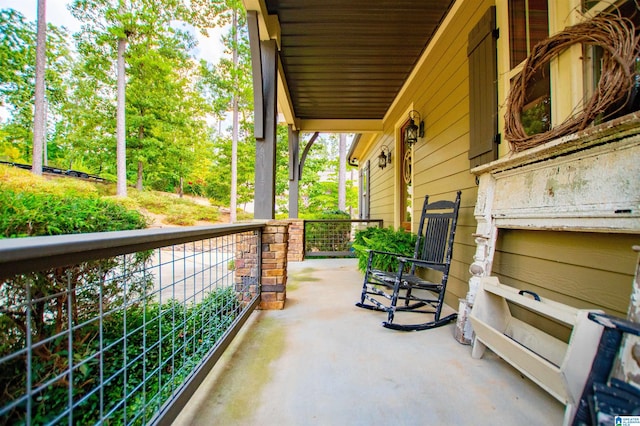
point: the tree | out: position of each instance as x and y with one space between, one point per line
103 19
39 110
163 107
17 80
87 133
229 84
234 133
165 110
121 144
319 188
218 182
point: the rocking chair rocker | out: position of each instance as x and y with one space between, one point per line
381 290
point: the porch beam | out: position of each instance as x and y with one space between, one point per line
339 125
296 166
265 170
256 60
294 171
306 152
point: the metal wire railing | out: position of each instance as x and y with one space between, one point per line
333 237
117 327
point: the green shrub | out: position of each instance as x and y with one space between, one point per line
26 214
383 239
180 215
20 180
170 355
151 200
31 205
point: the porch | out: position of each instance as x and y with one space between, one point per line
321 360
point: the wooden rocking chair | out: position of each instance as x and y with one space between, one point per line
382 290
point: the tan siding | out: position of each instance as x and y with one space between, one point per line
381 184
580 269
450 168
454 80
585 270
594 250
441 158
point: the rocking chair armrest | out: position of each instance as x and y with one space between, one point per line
374 252
424 263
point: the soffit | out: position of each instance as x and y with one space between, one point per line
348 59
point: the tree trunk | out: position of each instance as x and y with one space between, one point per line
38 116
139 185
121 144
45 154
342 173
234 135
140 173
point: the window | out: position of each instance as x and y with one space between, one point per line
593 59
529 24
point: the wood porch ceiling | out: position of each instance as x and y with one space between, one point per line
348 59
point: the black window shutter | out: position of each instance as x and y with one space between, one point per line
483 90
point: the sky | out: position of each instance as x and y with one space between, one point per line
57 13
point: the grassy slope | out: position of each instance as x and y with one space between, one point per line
160 208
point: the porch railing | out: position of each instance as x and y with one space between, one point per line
333 237
118 327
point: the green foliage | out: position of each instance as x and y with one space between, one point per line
383 239
159 358
36 206
228 87
318 187
169 97
166 130
537 118
27 214
165 115
178 211
218 178
324 195
91 200
20 180
17 79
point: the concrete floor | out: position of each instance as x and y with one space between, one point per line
322 361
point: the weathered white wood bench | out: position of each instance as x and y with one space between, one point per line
559 368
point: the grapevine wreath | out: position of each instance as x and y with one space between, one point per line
618 38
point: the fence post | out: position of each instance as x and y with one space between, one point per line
295 252
275 238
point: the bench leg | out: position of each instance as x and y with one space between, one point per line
478 349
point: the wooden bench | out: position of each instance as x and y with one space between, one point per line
559 368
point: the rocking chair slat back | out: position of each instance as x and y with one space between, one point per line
435 239
432 244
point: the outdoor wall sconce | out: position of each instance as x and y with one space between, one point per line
384 158
412 131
